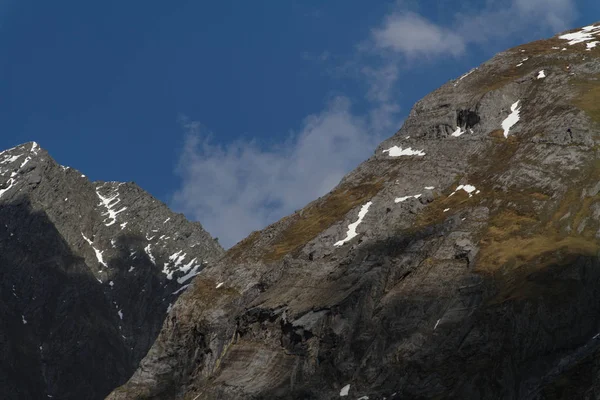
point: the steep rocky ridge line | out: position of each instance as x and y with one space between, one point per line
88 272
472 273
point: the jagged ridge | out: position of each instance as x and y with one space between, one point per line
89 271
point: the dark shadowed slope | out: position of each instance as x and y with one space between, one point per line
87 273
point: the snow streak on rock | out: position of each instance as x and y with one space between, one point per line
148 251
512 119
98 252
352 227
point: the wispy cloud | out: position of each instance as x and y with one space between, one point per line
240 187
555 14
519 18
235 188
412 35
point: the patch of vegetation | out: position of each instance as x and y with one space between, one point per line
320 215
529 232
518 245
588 97
540 54
242 247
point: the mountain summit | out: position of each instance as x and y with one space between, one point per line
460 261
89 271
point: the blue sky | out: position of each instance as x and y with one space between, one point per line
235 112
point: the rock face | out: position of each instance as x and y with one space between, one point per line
88 271
461 261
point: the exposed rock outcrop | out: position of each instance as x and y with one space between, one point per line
88 271
460 261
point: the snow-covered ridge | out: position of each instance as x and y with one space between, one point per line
8 159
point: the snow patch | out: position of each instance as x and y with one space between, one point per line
541 75
8 159
345 390
467 188
396 151
464 76
522 61
11 182
110 203
120 312
352 227
402 199
194 271
177 258
512 119
147 249
585 34
24 320
181 289
219 285
459 131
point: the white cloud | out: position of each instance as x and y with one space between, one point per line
556 14
525 18
412 35
237 188
380 82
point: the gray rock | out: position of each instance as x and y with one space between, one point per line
81 300
463 294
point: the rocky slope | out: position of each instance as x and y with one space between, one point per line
460 261
88 271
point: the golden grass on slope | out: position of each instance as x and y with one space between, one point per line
320 215
517 245
242 247
588 97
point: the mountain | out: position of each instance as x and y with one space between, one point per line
88 272
461 261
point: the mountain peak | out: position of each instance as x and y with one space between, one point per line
87 268
460 261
